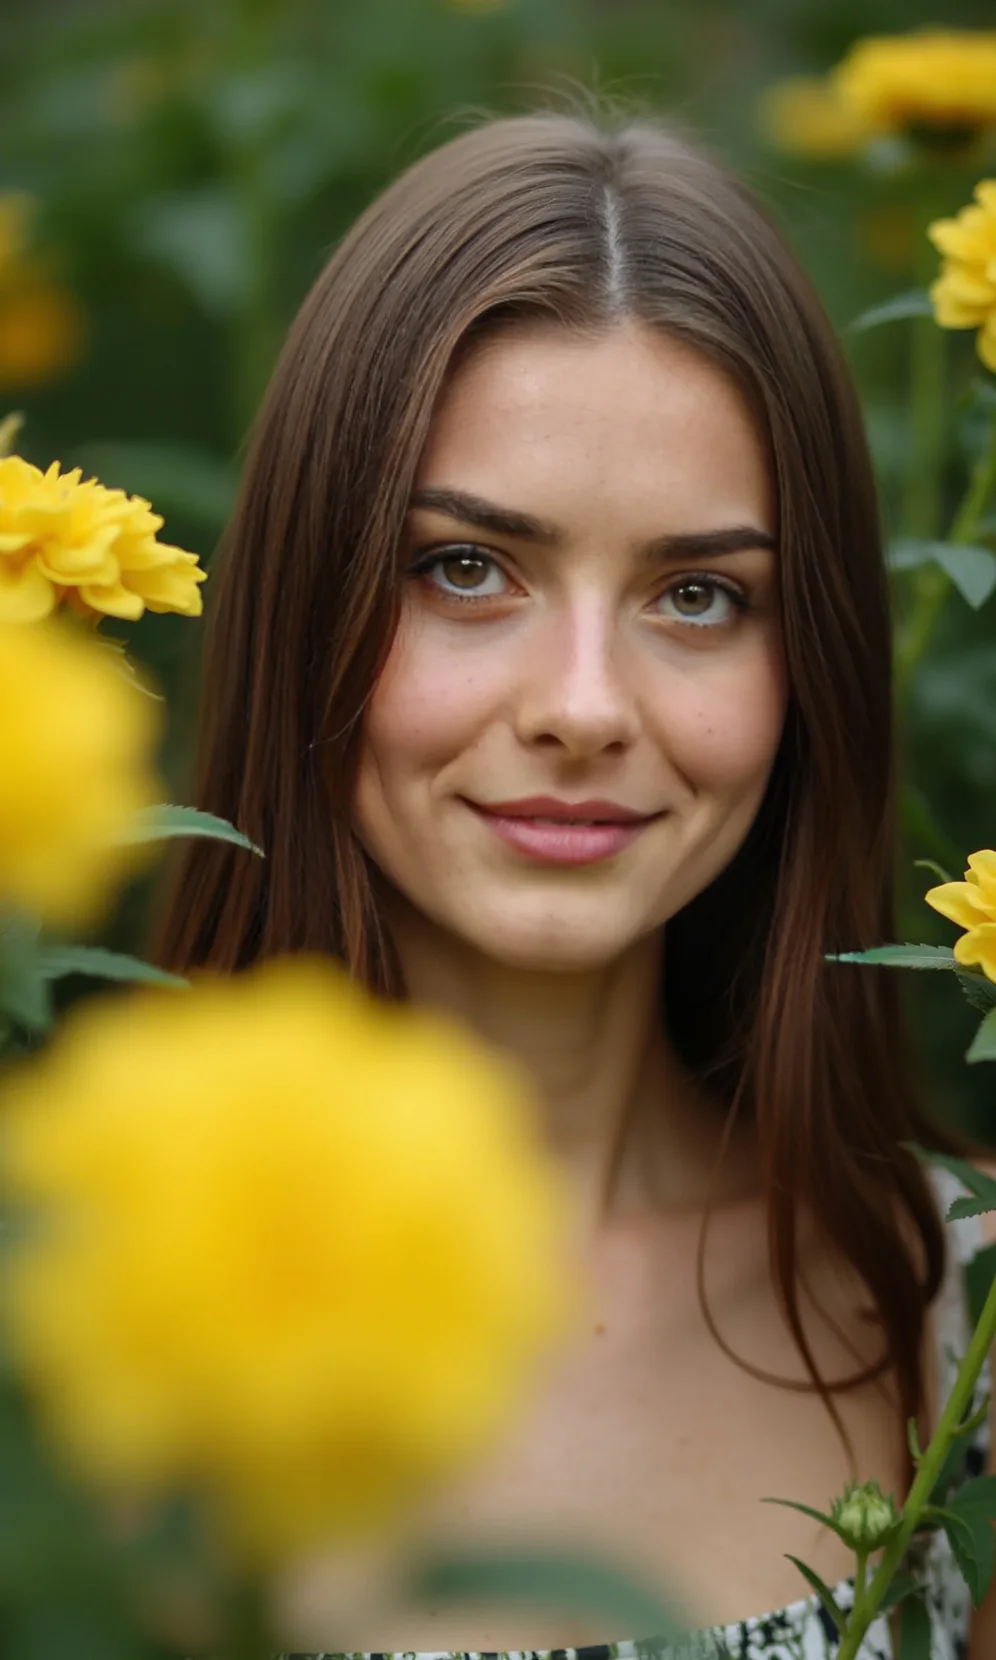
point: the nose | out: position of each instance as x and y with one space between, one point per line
576 693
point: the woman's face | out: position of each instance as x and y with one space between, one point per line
591 618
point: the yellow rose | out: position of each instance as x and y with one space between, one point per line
964 295
76 745
972 905
95 549
298 1249
940 81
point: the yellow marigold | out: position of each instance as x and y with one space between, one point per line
937 80
964 295
66 540
804 116
972 904
302 1250
76 741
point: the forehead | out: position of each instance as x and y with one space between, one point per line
631 414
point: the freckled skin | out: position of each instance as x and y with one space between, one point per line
576 678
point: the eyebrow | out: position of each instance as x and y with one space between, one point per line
508 521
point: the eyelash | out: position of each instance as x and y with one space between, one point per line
737 596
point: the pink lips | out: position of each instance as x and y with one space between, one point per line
526 825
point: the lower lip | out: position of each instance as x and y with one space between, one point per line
564 844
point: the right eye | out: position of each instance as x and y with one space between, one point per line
462 573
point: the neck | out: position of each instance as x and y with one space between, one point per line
618 1107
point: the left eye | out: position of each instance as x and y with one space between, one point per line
701 601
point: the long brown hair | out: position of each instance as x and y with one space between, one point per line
585 221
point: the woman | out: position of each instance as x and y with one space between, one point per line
549 661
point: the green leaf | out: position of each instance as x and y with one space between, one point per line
914 1630
979 992
572 1582
25 998
977 1182
950 1470
978 1277
822 1591
973 1547
56 960
962 1208
976 1498
972 569
166 820
915 303
807 1510
899 956
983 1045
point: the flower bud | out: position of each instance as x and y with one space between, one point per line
864 1517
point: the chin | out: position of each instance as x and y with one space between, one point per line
548 949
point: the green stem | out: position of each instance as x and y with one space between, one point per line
931 583
926 1477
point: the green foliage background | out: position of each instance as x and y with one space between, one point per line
197 160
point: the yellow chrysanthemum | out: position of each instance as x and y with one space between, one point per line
66 540
972 905
76 746
804 116
964 295
302 1251
936 80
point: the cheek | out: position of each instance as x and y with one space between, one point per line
428 706
723 730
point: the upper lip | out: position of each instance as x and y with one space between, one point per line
548 806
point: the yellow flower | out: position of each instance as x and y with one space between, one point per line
936 82
964 295
804 116
63 540
75 746
972 904
297 1250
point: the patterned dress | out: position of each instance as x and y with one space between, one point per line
803 1630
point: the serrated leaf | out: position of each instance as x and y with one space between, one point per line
972 1550
899 956
914 1630
975 1180
56 960
822 1591
166 820
983 1045
915 303
959 1209
978 991
571 1582
971 568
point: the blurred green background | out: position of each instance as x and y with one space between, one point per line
193 163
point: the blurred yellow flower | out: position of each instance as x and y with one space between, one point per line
297 1248
972 905
76 742
804 116
936 81
42 329
964 295
95 549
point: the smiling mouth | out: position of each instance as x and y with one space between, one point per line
561 840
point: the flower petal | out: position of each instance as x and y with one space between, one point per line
26 594
962 902
978 947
